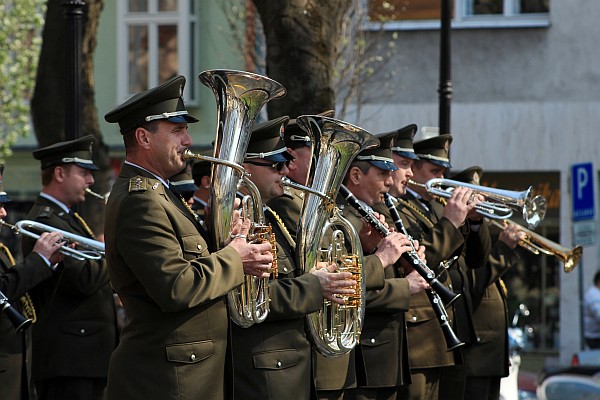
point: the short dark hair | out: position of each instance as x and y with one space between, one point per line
129 136
200 170
597 277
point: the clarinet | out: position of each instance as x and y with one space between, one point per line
17 319
447 296
452 341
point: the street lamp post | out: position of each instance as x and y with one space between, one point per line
73 97
445 88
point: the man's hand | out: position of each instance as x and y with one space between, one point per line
416 283
48 245
392 247
459 205
369 237
257 259
334 283
512 235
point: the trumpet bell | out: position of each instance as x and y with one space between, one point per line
534 211
571 259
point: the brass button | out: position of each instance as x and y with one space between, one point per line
372 340
193 357
414 318
284 269
199 247
278 364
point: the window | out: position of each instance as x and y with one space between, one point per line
158 44
425 14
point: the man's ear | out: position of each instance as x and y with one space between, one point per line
205 181
59 173
142 137
355 174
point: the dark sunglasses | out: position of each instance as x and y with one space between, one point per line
278 166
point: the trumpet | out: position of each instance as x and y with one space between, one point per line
499 203
537 244
88 249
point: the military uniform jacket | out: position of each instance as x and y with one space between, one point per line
15 347
442 241
330 373
426 343
76 332
488 356
272 359
173 345
381 358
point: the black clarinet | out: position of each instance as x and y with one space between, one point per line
447 296
452 341
17 319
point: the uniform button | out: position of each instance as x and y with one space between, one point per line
372 340
284 269
82 331
193 357
414 318
278 364
199 247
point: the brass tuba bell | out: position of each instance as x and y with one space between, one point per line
325 235
239 96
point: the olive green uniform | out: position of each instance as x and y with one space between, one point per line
487 358
272 359
173 291
382 357
330 373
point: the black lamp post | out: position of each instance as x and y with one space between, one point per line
73 97
445 88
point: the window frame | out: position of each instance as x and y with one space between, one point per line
187 52
461 20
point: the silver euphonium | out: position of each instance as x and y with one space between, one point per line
324 235
239 96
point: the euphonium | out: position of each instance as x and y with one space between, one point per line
537 244
239 96
335 329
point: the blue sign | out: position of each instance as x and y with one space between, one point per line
582 188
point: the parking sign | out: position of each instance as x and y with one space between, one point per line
582 189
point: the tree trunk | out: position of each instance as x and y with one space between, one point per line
47 104
302 44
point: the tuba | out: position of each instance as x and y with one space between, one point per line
324 235
239 96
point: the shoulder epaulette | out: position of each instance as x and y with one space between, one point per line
138 184
45 212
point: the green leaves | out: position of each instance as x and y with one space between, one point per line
20 44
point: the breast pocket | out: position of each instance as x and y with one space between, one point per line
194 246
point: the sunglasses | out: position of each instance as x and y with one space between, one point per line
278 166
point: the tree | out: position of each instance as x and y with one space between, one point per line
20 41
47 104
302 39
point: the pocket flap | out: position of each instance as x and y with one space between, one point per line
193 244
278 359
190 353
372 338
419 315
